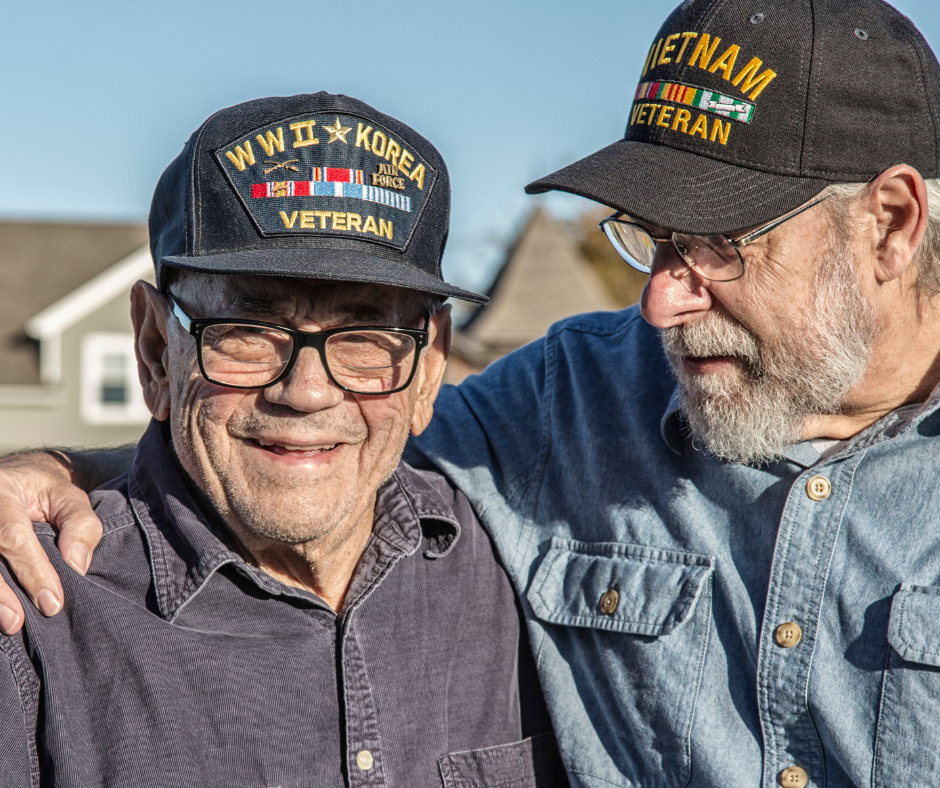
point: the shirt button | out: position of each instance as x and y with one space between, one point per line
818 488
364 760
794 777
609 602
788 635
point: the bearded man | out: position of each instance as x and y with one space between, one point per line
721 510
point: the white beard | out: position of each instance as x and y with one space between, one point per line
807 370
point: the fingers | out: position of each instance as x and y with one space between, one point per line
79 529
31 488
28 561
11 611
37 486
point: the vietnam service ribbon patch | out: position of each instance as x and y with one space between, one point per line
691 96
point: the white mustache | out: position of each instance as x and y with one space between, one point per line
256 423
712 335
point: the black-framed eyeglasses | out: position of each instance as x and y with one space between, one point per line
714 257
249 354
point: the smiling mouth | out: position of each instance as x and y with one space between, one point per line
282 448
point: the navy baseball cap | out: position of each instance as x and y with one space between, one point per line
746 110
316 186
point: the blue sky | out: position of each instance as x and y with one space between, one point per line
100 96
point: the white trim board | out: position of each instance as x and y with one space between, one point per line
92 295
47 326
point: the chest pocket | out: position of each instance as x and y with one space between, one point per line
629 624
530 763
910 698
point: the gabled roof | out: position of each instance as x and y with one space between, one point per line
545 278
92 295
41 264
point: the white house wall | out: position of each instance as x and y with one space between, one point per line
53 417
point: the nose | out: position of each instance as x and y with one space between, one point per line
307 388
674 293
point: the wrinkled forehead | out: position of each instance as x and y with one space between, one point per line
295 298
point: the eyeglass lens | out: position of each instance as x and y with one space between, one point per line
366 362
634 244
711 256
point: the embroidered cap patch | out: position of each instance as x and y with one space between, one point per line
691 96
329 174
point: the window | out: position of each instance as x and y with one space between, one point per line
111 393
114 388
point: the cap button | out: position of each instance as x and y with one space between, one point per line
757 18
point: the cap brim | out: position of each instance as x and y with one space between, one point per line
680 191
341 265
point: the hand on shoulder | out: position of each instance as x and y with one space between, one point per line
39 487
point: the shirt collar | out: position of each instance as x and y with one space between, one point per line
898 422
671 425
186 546
411 508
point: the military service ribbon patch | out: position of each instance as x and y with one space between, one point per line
691 96
335 175
369 185
332 188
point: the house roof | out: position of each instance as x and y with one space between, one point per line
42 263
545 278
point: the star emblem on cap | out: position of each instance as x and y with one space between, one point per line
337 131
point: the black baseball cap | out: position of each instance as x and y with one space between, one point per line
316 186
746 109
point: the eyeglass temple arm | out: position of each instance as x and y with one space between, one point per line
185 322
776 223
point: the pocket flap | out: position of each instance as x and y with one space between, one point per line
656 590
914 627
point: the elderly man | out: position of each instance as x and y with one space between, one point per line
721 510
275 600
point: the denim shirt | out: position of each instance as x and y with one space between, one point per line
574 455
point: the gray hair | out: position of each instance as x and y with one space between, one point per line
927 259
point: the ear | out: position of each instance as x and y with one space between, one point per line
431 372
149 313
898 200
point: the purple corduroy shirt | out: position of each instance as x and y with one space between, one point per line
176 663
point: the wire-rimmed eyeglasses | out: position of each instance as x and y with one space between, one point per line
714 257
249 354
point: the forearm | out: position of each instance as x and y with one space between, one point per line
90 468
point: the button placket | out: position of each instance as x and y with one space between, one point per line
807 534
364 746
